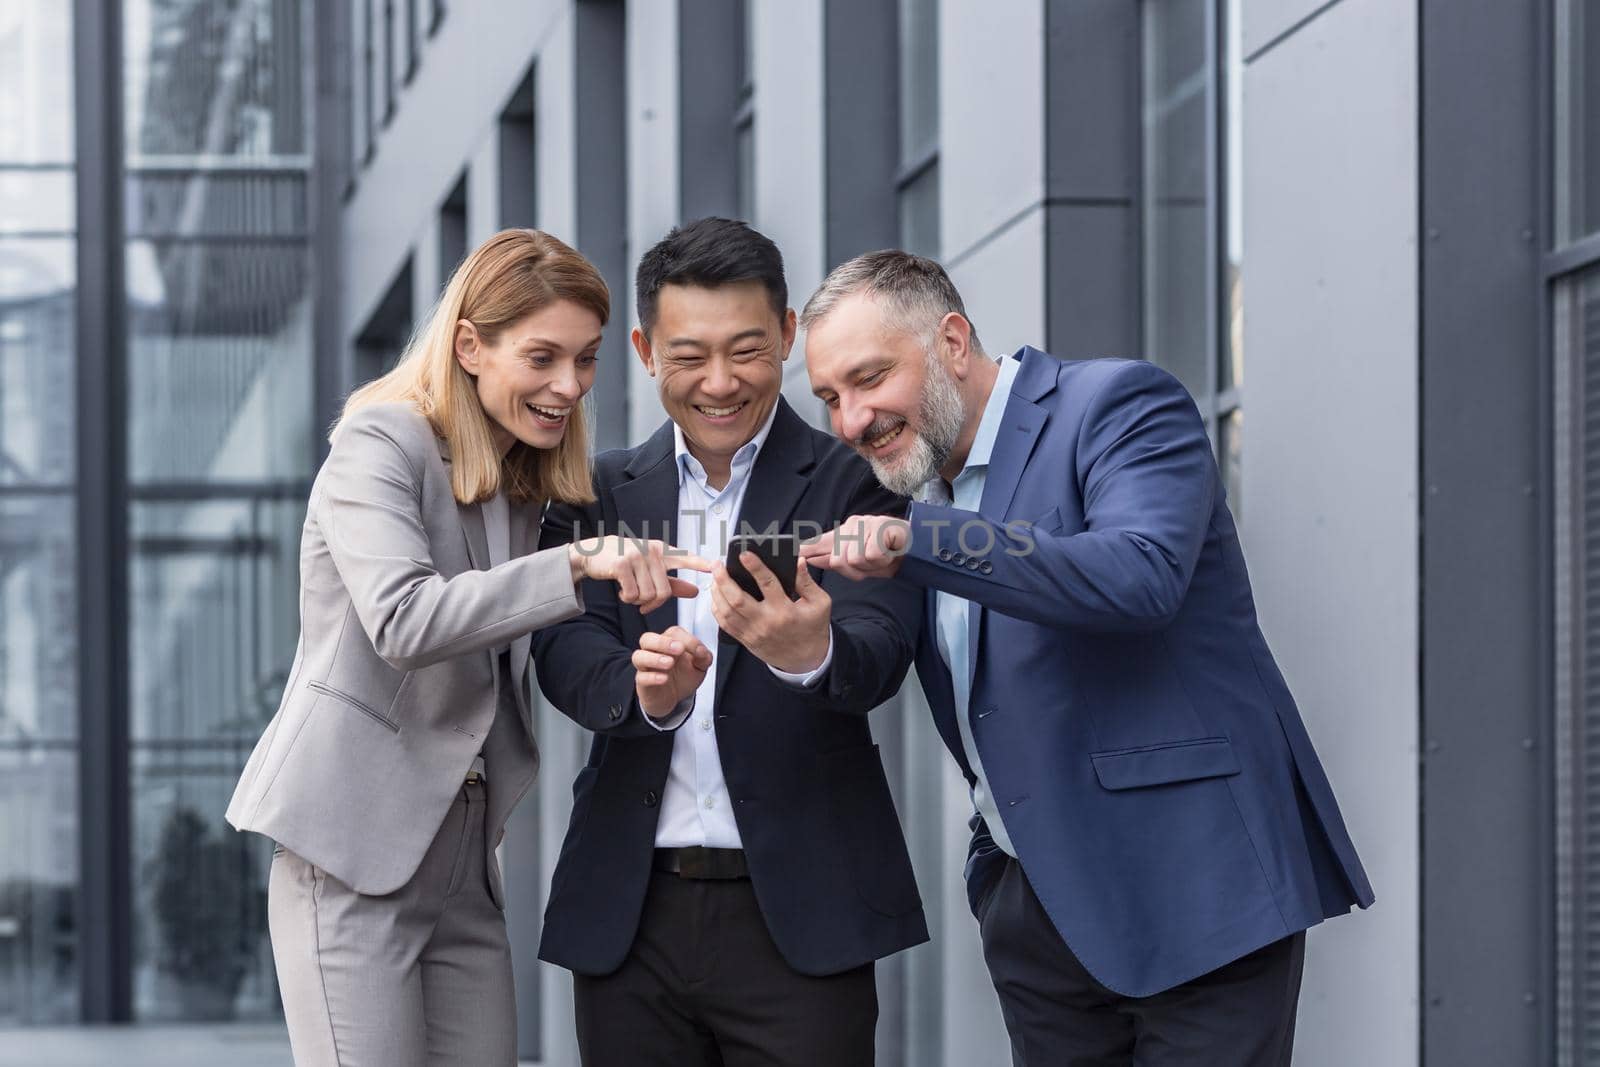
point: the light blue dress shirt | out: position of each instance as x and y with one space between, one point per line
694 802
950 612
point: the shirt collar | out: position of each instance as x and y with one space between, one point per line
689 467
994 411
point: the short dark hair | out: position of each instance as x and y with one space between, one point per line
709 252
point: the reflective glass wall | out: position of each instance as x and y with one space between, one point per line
220 449
220 442
38 591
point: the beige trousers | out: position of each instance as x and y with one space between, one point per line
420 977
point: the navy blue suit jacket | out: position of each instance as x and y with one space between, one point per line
827 859
1151 767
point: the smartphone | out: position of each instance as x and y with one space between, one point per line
780 553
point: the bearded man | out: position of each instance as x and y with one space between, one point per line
1153 832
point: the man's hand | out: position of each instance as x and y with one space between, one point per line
668 668
862 546
790 635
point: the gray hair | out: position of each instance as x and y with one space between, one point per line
914 291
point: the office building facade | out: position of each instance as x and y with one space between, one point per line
217 218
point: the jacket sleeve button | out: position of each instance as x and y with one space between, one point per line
986 567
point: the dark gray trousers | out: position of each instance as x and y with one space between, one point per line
1240 1015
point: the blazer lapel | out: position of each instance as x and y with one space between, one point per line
523 540
1020 426
777 481
471 520
647 507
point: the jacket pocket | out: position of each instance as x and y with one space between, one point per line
346 698
1180 761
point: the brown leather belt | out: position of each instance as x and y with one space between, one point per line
704 863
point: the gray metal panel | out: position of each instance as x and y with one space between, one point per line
1092 272
1092 280
1486 867
602 194
861 124
104 916
710 40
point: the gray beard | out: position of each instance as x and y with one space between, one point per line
940 417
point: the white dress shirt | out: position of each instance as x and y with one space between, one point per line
951 612
694 803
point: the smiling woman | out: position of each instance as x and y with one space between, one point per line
402 742
499 369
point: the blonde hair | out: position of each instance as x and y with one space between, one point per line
508 277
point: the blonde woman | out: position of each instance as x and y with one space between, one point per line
404 738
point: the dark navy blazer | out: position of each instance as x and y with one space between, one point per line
827 859
1151 767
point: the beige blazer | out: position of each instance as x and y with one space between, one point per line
394 687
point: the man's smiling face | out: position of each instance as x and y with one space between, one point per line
717 356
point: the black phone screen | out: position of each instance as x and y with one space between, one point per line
780 553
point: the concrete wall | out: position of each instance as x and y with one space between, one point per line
1330 467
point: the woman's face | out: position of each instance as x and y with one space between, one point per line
535 373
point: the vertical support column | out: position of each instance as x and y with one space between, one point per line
602 189
1487 717
104 914
333 365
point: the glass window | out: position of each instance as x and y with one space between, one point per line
38 278
39 976
37 202
1230 372
1577 100
391 60
38 883
919 213
413 39
220 447
36 122
918 181
919 79
213 582
744 119
1577 528
214 80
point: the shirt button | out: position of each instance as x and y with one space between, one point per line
711 802
705 724
718 508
